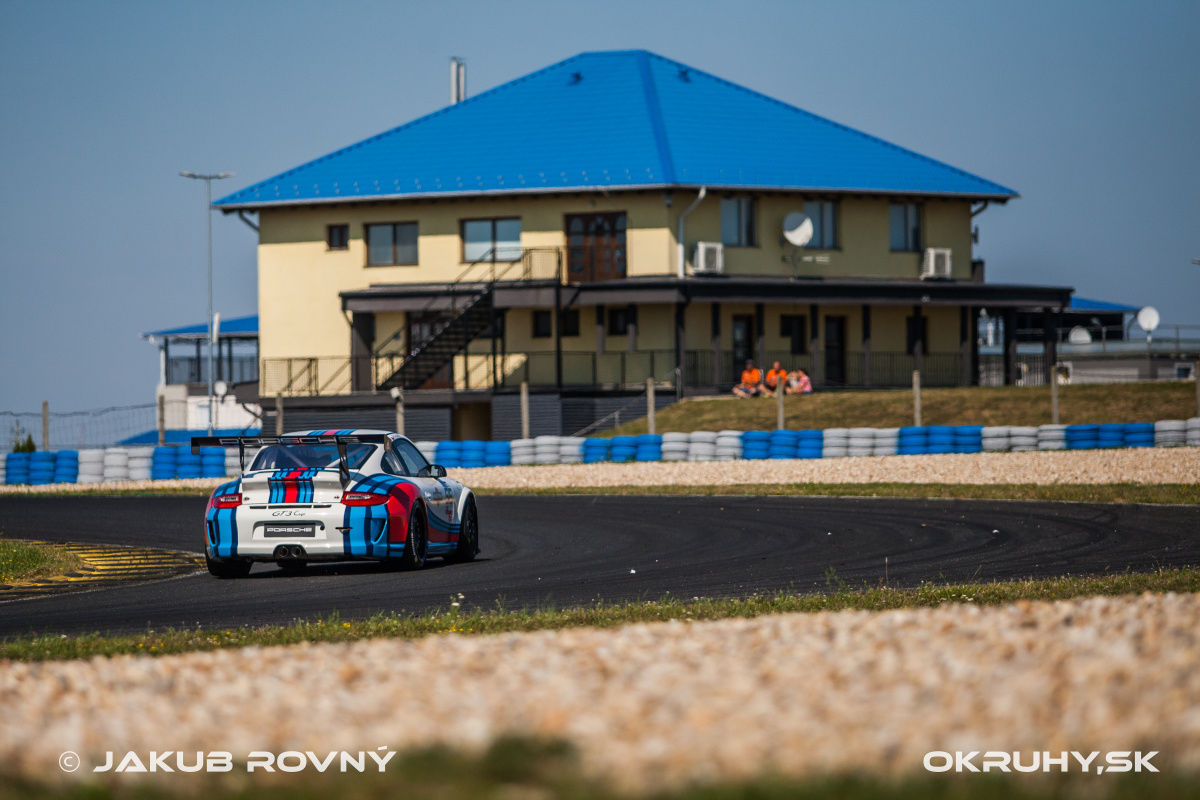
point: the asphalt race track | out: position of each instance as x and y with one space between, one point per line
562 551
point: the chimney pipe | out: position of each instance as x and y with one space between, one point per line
458 80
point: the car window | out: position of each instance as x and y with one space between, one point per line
414 462
392 464
308 456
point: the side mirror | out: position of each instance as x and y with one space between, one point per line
432 471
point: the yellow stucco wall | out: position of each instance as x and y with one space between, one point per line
300 279
863 238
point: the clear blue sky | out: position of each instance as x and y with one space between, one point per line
1091 110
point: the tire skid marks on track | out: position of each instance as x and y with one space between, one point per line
106 565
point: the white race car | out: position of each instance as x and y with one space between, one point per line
335 496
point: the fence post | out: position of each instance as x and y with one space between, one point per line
162 420
650 405
524 409
1054 393
916 397
45 425
279 414
398 396
779 404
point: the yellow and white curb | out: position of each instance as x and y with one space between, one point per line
104 566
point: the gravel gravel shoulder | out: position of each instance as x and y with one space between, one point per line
658 705
1136 465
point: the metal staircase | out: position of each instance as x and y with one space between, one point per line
473 291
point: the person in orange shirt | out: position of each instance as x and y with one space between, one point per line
751 382
775 375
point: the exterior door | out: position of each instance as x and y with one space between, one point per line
835 351
595 247
743 344
420 330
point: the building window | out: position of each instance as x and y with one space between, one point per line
905 222
618 321
823 214
541 324
794 327
916 330
491 239
337 237
737 222
391 243
570 322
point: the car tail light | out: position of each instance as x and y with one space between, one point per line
226 500
363 499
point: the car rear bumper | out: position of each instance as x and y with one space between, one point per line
326 533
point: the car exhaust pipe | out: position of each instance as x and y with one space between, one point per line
293 552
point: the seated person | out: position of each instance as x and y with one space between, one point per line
751 382
798 383
775 375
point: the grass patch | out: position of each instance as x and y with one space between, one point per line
973 405
532 768
1160 493
32 560
834 596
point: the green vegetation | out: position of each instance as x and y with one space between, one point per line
1162 493
832 595
25 445
977 405
546 769
31 560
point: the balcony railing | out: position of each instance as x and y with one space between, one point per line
330 375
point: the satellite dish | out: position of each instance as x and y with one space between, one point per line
797 229
1147 318
1079 335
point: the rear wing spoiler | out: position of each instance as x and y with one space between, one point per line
340 441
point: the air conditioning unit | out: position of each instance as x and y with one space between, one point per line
936 264
709 258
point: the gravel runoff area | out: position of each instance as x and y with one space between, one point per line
657 705
1136 465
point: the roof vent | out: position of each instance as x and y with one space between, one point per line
458 80
684 75
576 77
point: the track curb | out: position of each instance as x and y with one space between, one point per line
105 566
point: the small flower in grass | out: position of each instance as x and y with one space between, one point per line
345 624
455 604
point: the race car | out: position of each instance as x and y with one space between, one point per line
335 495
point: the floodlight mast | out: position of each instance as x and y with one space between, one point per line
208 179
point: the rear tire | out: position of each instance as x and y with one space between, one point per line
416 541
238 568
468 537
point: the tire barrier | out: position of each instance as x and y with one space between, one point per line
170 462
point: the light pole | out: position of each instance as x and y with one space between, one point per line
208 179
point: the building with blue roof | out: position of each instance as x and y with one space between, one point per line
612 218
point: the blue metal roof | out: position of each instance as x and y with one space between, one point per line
627 119
237 326
1085 304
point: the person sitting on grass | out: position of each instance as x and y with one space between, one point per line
798 383
751 382
775 375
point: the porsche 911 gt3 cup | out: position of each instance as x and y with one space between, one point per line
335 496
